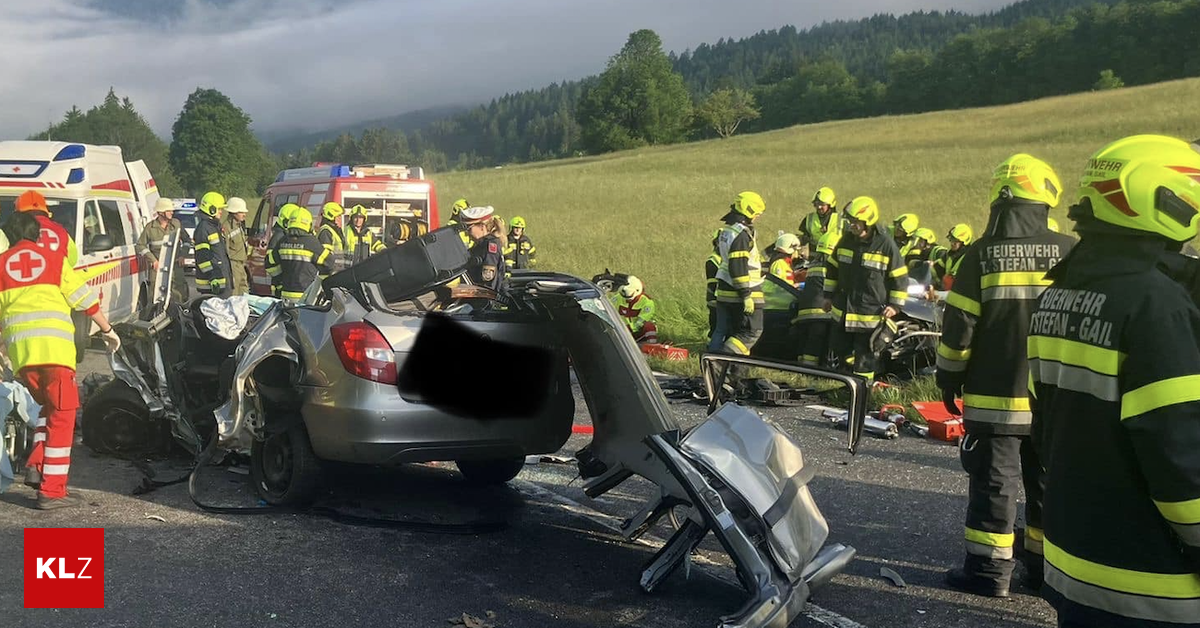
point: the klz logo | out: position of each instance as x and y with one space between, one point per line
64 568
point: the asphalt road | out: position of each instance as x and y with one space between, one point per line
557 562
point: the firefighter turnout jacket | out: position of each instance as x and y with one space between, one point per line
1115 376
862 277
212 256
38 291
520 252
361 244
812 294
56 238
946 264
711 266
297 261
986 321
331 238
813 227
740 273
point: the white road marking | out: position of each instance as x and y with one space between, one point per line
820 615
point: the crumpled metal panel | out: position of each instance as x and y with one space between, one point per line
240 418
765 467
139 340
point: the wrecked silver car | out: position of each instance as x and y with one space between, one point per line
369 368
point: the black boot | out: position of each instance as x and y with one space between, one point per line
960 580
55 503
33 478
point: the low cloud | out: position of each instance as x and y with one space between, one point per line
315 64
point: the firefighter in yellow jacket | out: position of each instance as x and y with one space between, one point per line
360 241
981 358
739 278
1114 360
331 236
38 291
823 220
637 311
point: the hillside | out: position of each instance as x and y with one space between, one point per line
652 211
290 141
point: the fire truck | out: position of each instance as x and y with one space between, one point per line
393 195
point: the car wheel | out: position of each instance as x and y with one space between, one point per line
284 468
490 472
117 421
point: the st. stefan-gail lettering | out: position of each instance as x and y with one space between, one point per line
1075 315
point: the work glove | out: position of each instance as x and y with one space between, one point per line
949 399
111 340
748 306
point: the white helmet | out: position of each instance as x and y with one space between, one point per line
163 205
235 205
632 288
787 243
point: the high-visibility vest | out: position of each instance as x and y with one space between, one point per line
776 298
635 312
56 238
38 290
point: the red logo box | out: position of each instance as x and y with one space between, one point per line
64 568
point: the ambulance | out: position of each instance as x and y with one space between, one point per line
102 201
391 194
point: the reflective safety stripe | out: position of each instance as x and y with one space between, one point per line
57 452
274 271
1187 512
966 304
29 317
1012 293
55 469
994 539
214 237
1141 583
1189 534
870 263
1096 359
1034 539
202 246
830 285
945 351
879 260
295 253
897 296
287 294
844 255
988 402
37 332
989 551
1000 417
205 266
1180 611
156 243
39 437
862 321
80 294
737 254
953 366
737 346
898 272
1160 394
1075 378
808 359
203 283
1014 279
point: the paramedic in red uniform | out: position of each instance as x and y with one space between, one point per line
53 235
38 291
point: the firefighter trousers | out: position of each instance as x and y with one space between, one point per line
854 348
54 388
777 341
997 466
736 331
241 284
712 319
812 341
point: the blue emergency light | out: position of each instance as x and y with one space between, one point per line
71 151
76 176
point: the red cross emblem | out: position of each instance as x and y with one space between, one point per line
50 239
25 266
16 169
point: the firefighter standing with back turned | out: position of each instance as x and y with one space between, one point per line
212 257
298 259
981 357
38 291
739 279
864 284
1115 371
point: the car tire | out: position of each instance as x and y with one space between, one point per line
116 421
284 469
490 472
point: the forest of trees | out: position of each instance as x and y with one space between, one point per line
880 65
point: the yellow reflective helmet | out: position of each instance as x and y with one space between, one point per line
286 213
632 288
1024 177
358 210
963 233
301 219
909 223
826 196
211 202
787 243
517 222
458 206
827 242
332 210
749 204
1052 224
926 234
864 209
1144 183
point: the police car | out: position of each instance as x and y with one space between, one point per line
185 213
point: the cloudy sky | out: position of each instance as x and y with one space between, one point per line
315 64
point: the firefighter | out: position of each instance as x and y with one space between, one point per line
330 236
212 256
902 230
486 230
813 325
154 235
920 249
298 259
520 252
739 278
54 236
282 218
779 302
711 266
360 241
822 221
1114 357
455 219
946 260
981 357
234 224
38 292
864 284
637 311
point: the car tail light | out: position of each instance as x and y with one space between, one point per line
364 352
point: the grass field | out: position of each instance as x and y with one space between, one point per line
651 212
